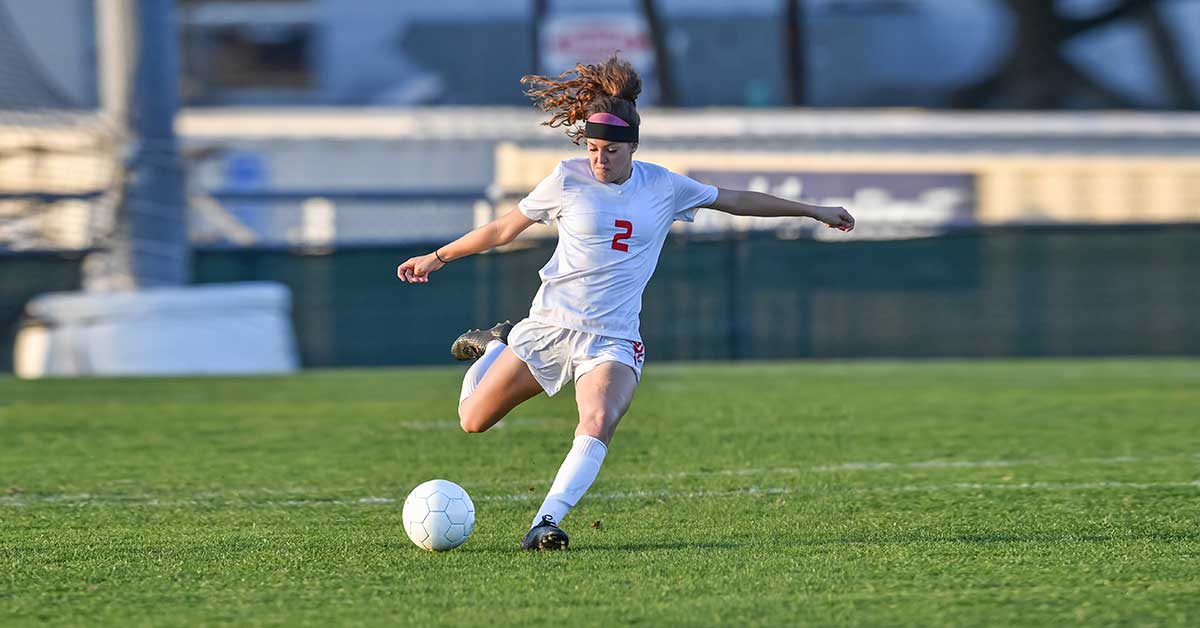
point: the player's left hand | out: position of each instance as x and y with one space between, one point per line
835 218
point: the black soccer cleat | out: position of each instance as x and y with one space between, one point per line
545 536
472 344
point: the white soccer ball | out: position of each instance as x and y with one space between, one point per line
438 515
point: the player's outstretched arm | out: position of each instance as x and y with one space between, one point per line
497 232
744 203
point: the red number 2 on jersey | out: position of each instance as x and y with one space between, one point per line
628 227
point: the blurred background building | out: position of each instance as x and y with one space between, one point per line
1026 174
744 53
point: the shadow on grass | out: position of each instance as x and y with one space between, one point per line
643 547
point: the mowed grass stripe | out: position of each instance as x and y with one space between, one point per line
279 496
150 500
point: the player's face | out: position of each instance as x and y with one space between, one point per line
612 162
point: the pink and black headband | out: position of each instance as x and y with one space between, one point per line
606 126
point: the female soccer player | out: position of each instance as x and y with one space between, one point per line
613 215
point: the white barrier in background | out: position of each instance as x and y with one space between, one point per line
193 330
517 124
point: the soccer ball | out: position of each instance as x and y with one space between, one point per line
438 515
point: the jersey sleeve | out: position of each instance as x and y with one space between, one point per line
690 195
544 202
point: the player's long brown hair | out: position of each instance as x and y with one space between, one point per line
609 87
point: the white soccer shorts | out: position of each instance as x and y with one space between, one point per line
556 355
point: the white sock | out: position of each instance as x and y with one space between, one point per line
574 478
475 373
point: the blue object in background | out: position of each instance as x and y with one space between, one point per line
246 171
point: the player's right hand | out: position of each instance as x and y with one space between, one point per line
417 269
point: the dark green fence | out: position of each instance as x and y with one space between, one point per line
23 276
1091 291
1043 292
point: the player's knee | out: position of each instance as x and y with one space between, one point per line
471 426
470 419
596 421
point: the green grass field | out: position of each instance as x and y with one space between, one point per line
868 493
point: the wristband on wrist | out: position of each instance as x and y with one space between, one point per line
439 257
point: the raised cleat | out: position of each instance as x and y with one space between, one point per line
545 536
473 343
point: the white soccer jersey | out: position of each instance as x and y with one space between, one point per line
609 239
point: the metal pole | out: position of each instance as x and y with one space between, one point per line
156 208
794 49
662 57
114 36
535 29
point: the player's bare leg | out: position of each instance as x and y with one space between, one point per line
603 395
506 385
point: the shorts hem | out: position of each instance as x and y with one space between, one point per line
590 364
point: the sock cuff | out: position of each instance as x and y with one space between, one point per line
590 445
